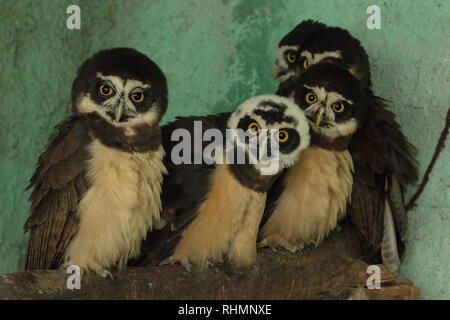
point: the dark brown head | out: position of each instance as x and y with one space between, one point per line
333 100
311 43
122 86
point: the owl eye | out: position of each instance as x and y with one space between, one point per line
310 98
305 63
137 97
254 128
291 56
338 107
105 90
283 136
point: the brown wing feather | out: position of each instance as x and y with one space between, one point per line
379 151
58 184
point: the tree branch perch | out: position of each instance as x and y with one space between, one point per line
331 271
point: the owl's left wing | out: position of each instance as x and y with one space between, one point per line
58 184
184 188
384 163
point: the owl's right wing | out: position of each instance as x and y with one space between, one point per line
184 188
58 184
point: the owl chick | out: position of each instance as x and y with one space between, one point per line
383 158
213 211
96 189
311 197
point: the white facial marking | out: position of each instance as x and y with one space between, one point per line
281 64
249 107
318 57
335 129
122 91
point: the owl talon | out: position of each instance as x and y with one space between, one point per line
105 273
173 260
276 241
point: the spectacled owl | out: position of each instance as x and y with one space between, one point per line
213 212
383 158
96 190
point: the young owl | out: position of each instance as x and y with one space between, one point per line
96 190
385 157
306 203
213 211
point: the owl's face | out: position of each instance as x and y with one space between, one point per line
122 86
279 126
332 99
332 45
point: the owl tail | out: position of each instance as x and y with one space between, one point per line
389 251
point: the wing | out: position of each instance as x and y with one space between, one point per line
384 163
302 31
58 184
273 194
184 188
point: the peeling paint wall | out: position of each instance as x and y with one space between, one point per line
216 54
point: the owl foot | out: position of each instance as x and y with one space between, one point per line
104 273
275 241
173 260
86 268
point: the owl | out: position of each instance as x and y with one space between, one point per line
307 202
383 158
213 211
96 190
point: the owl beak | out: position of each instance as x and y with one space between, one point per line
275 72
319 117
118 111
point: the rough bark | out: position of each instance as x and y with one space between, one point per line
331 271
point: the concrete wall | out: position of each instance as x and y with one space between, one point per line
215 55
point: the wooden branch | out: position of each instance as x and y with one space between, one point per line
330 271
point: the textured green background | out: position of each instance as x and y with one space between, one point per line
215 55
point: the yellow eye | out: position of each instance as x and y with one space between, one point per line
137 97
105 90
283 136
305 63
291 57
329 61
311 98
254 128
338 107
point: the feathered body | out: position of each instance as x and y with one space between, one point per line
213 212
96 190
315 194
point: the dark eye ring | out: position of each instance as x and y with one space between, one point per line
338 107
305 63
254 128
137 97
291 56
311 98
283 136
105 90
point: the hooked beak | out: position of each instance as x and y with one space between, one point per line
275 71
319 117
118 111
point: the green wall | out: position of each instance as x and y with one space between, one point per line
216 54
